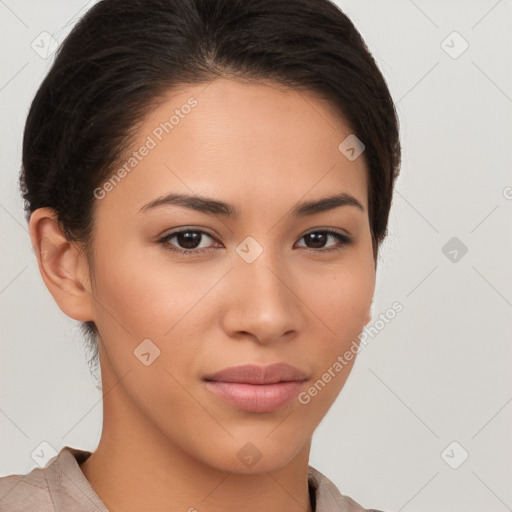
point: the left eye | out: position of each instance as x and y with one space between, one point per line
320 238
190 241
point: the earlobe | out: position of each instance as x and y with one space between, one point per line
62 266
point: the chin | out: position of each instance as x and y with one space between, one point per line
256 454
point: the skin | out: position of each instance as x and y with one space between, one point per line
168 442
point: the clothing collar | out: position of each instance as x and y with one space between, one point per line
69 487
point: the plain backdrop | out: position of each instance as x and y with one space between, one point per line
423 422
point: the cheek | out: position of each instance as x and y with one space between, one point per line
345 296
146 295
342 306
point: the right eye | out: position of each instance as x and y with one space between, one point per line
189 241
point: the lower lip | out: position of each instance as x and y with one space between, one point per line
256 397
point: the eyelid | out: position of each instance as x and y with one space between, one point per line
181 229
326 229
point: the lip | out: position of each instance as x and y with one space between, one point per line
254 388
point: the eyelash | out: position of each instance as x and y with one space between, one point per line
343 239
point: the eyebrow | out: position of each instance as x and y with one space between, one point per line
214 207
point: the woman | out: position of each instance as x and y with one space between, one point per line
207 184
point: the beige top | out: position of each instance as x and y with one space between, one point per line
62 487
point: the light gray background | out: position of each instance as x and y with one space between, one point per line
439 372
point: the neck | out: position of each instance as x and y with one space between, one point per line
136 468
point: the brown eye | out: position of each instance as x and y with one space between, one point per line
187 241
316 240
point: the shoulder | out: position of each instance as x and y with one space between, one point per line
59 486
30 492
328 497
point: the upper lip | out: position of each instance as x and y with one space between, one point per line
255 374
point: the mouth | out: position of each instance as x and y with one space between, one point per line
258 389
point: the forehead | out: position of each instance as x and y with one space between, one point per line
252 144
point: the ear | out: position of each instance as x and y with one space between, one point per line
63 267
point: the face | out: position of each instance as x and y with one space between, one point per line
183 289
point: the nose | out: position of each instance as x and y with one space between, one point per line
262 303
